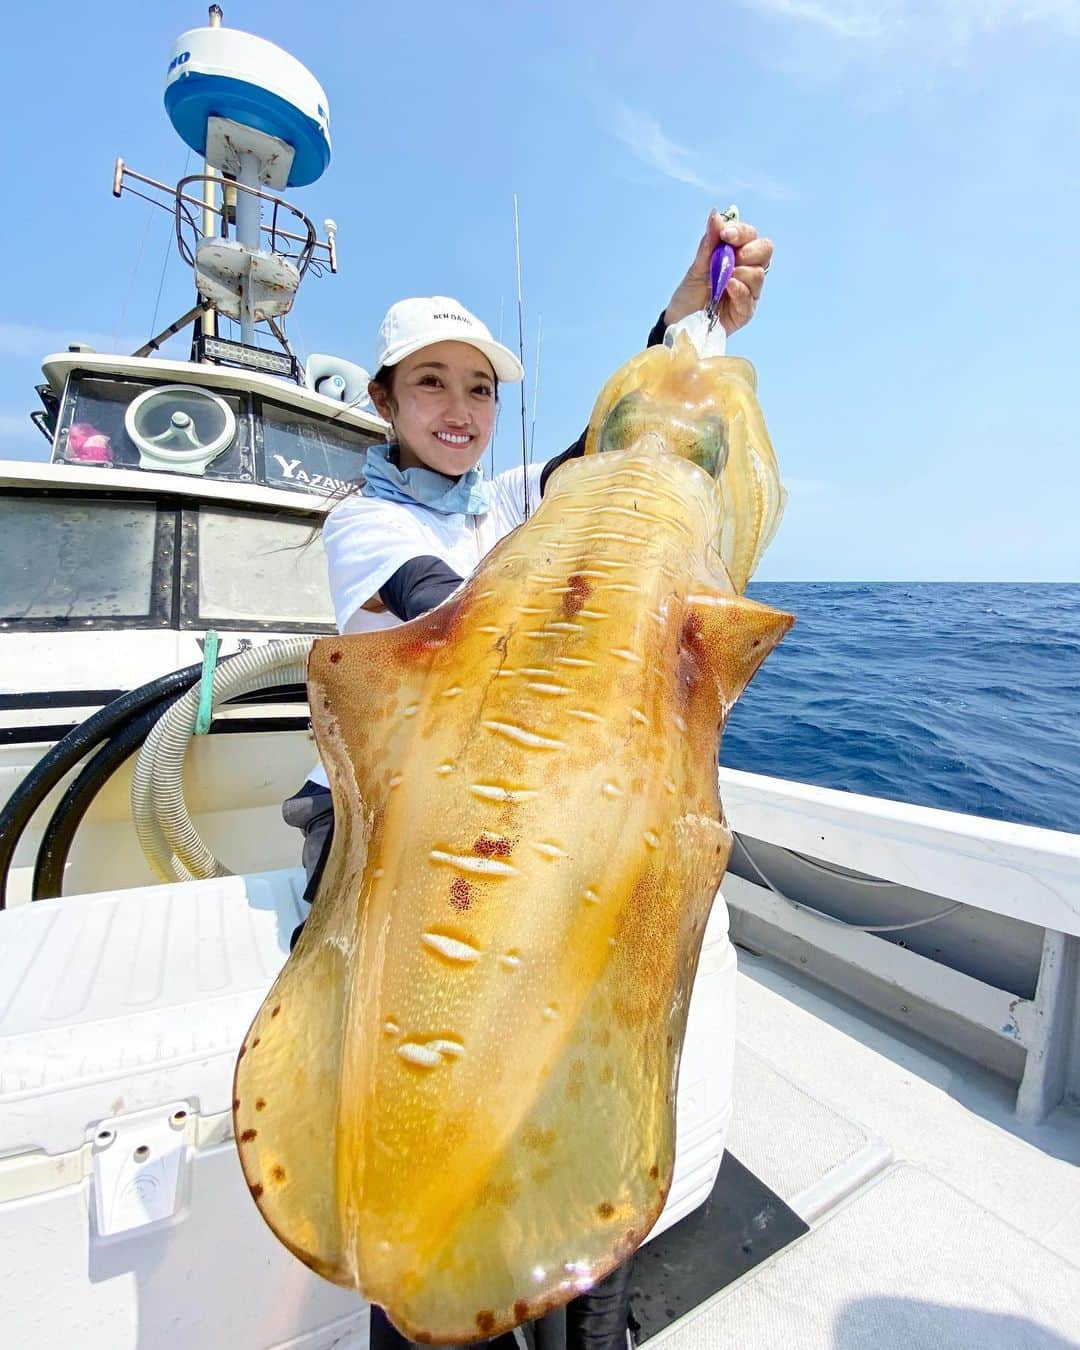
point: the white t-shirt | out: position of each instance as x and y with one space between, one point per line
367 539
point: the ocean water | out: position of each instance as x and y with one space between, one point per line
960 696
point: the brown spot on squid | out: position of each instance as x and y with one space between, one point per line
691 632
576 1081
574 599
489 846
539 1140
502 1193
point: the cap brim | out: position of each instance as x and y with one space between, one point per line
504 363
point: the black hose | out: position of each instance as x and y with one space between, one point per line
67 752
74 804
117 721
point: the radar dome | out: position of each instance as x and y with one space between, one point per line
225 73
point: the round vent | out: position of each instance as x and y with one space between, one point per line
179 427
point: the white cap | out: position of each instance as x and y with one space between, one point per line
412 324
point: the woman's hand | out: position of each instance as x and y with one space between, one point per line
743 291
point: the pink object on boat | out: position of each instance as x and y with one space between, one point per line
87 445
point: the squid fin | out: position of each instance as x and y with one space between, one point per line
729 636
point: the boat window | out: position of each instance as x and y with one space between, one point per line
309 455
92 430
76 559
262 570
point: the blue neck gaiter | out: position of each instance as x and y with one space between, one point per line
469 495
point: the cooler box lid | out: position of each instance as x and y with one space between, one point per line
116 1002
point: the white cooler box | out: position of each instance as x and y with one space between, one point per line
124 1218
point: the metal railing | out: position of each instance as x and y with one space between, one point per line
300 245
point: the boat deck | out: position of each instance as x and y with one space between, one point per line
935 1219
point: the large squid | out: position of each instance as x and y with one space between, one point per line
459 1095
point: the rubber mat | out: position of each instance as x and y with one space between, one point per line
741 1224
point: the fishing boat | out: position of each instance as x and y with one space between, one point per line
183 496
883 1154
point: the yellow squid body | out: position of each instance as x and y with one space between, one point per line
459 1095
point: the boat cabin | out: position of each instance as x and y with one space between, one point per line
182 494
179 495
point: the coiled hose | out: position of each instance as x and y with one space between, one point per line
60 832
70 749
169 840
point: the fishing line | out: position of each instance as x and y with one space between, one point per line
165 260
134 274
831 918
835 872
536 386
301 345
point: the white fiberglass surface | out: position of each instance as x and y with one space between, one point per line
134 997
1017 870
909 1264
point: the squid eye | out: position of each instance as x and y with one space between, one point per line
701 439
711 447
622 423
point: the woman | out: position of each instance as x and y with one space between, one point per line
422 521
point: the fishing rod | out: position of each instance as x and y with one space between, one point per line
498 405
536 386
521 357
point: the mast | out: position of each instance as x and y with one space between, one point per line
218 212
206 324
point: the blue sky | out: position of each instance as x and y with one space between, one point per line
916 164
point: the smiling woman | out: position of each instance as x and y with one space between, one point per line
436 382
441 404
437 373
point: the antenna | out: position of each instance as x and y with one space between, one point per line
536 385
521 355
498 406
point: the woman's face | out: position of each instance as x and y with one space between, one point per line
442 409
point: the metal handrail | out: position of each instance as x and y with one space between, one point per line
320 251
183 217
